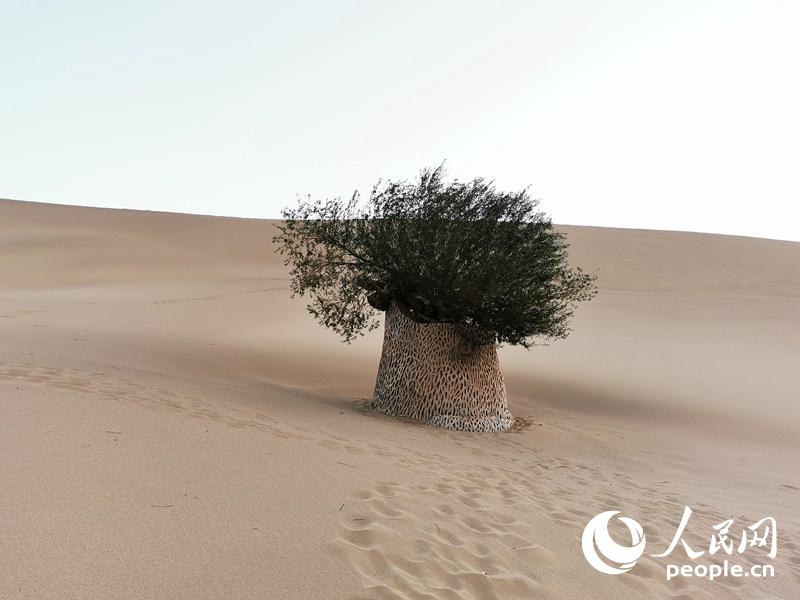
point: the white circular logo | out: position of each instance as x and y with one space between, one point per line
598 545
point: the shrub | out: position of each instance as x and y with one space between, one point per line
442 251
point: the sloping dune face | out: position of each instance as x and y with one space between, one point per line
174 425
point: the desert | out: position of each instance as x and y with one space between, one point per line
176 425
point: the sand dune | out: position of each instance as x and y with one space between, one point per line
175 426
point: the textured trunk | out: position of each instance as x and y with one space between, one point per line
429 373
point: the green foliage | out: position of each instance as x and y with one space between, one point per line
446 252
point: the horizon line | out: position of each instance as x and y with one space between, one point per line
251 218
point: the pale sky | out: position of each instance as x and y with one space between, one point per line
653 114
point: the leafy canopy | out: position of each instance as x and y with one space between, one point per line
442 251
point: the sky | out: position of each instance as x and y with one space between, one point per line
678 115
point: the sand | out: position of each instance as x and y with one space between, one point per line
175 426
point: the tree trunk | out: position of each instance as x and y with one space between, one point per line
430 373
